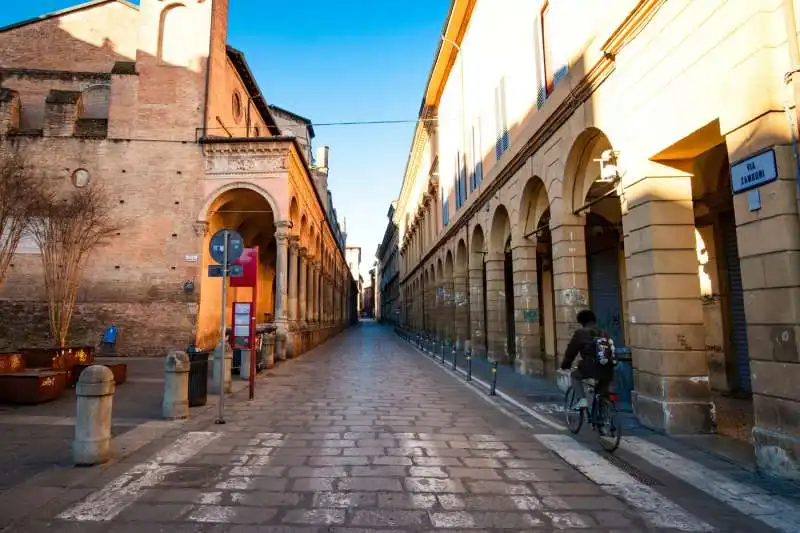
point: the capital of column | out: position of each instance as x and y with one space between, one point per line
200 228
303 251
294 241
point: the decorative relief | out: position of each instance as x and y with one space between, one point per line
243 164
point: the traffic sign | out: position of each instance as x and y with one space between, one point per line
235 245
234 271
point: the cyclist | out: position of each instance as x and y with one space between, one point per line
596 350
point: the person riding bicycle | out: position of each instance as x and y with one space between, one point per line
597 357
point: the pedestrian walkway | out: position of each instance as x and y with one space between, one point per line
367 434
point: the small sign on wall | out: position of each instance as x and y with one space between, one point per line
755 171
191 258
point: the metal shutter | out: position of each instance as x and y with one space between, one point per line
605 293
738 320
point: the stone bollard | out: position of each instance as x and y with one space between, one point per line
244 368
95 395
268 347
176 386
223 360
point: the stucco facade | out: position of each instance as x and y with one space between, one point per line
606 163
152 104
387 275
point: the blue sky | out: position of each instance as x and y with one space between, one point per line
336 61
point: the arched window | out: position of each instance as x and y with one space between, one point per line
174 33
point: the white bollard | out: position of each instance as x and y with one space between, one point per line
219 363
244 369
176 386
95 394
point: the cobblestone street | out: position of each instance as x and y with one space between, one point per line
366 434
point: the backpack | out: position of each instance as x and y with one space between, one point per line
603 349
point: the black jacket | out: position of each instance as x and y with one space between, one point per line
582 343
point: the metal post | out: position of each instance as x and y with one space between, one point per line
469 365
441 347
493 390
455 355
221 401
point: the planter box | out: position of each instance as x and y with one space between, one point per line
11 363
120 371
32 386
49 358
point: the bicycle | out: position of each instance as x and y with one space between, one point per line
602 415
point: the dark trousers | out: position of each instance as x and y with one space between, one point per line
603 385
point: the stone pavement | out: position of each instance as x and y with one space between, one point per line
366 434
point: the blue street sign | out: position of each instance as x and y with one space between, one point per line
235 246
234 271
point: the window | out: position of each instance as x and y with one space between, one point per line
460 181
547 58
476 156
501 118
257 132
555 53
445 209
237 107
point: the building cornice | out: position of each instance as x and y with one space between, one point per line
630 27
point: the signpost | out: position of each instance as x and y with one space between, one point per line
225 246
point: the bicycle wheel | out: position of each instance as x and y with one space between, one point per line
609 426
574 418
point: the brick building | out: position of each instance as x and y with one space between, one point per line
152 103
634 156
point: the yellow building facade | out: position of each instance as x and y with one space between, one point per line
638 157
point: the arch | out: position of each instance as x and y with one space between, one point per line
439 270
534 202
477 247
501 230
94 101
303 231
461 257
203 215
448 265
294 214
175 29
582 170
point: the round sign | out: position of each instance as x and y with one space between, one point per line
235 246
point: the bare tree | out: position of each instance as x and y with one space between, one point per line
67 228
21 194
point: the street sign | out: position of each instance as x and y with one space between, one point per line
235 246
216 271
755 171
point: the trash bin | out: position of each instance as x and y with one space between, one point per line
198 378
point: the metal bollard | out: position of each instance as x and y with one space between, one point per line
493 390
95 396
469 365
455 356
441 349
175 404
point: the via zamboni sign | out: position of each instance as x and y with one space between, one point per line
755 171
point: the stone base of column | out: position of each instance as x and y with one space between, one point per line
529 366
777 454
680 405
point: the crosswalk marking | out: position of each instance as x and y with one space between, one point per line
655 508
747 499
123 491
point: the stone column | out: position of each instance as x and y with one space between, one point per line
476 297
448 314
282 240
315 292
461 311
666 328
303 277
496 306
526 310
570 281
294 248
